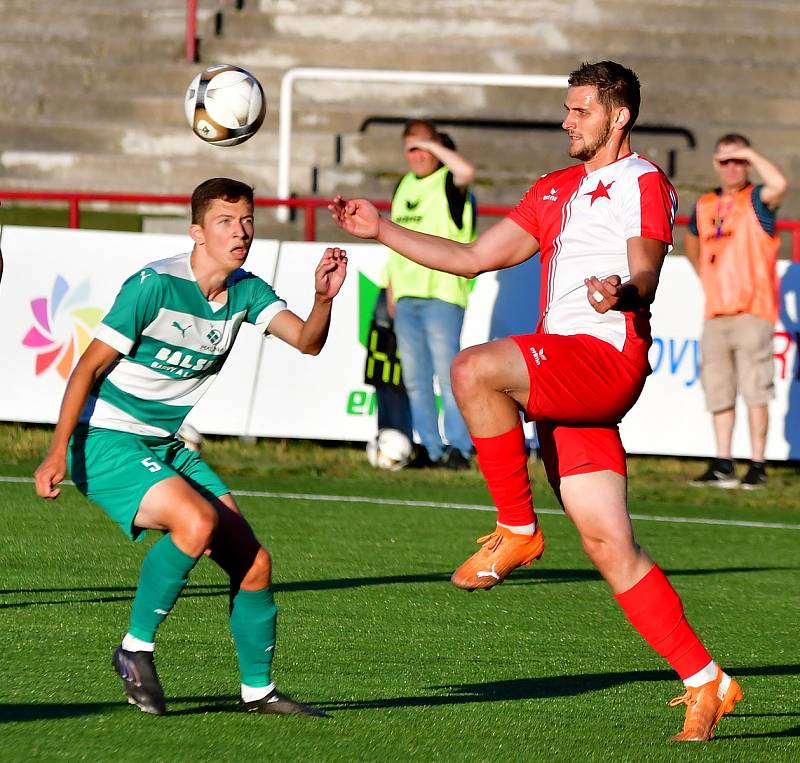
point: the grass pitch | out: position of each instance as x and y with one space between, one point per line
544 667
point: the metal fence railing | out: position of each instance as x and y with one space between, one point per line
307 205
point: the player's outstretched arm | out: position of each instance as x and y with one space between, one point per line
309 335
358 217
97 358
645 258
505 244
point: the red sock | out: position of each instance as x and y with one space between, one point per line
654 608
504 463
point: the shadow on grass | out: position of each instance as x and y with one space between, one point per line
53 711
124 593
535 575
794 731
543 687
534 688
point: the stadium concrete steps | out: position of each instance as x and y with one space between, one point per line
42 22
163 143
726 14
107 85
87 81
606 36
379 147
109 93
92 53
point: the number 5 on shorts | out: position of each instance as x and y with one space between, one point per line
152 465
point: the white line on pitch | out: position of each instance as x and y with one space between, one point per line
467 506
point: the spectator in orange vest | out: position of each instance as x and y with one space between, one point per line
732 244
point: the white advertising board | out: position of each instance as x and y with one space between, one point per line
58 284
670 416
323 396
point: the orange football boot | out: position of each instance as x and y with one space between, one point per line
705 705
501 553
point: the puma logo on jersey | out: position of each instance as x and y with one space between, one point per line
142 275
538 356
180 328
551 196
412 204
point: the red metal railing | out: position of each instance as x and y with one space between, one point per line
191 31
309 207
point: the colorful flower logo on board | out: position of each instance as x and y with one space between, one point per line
63 327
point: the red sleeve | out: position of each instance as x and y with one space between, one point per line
658 204
524 214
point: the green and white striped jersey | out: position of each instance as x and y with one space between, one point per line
173 342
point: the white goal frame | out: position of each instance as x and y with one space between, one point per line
382 75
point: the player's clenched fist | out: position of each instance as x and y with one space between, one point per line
603 293
50 472
356 216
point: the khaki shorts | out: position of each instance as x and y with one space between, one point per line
737 355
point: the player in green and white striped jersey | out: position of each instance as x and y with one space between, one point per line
155 353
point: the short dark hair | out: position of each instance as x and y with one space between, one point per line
616 85
217 188
413 124
447 141
732 137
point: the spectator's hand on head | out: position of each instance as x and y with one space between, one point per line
331 272
733 151
603 293
425 145
357 217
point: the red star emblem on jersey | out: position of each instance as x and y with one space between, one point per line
601 192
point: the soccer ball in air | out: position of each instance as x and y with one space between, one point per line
391 449
225 105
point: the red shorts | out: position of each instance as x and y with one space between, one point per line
580 388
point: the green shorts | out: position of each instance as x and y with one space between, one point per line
116 469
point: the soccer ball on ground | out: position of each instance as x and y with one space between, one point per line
391 449
225 105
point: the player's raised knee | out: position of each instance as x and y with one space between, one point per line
466 371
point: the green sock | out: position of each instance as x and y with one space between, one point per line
253 616
164 573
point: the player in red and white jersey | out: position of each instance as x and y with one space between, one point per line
602 228
582 221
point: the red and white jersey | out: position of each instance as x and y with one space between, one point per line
583 222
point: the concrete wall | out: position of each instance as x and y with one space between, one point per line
93 90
